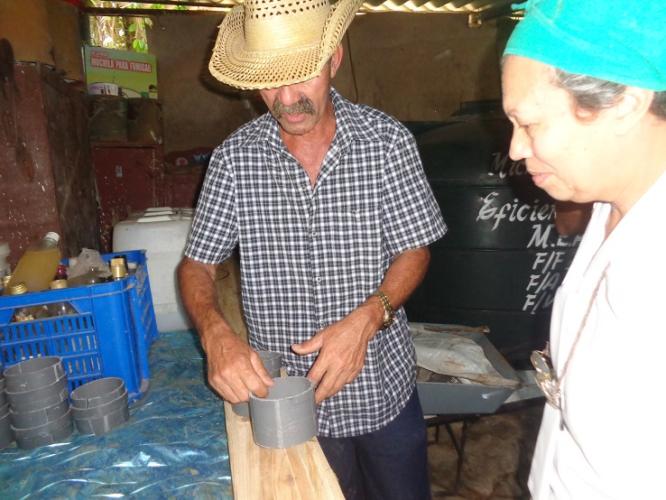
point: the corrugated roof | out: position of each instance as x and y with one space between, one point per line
476 10
440 6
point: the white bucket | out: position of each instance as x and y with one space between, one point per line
162 232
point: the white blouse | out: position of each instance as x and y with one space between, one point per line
609 441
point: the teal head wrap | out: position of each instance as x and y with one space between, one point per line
616 40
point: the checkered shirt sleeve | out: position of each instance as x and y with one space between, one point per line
214 233
410 215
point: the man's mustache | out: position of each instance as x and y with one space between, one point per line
303 105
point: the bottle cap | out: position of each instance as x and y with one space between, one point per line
18 289
118 270
52 236
61 272
58 284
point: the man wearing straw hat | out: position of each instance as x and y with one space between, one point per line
584 84
332 213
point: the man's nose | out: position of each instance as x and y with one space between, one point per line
288 95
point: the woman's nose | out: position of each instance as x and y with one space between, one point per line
521 147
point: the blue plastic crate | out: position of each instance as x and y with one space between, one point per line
110 335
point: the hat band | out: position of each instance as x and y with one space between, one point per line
284 31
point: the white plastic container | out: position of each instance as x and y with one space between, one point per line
162 232
4 265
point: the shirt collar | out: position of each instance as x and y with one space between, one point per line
351 126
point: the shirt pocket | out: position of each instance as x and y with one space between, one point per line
359 223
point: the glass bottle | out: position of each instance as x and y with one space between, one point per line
60 308
38 265
28 313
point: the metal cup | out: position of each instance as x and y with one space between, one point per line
286 417
272 361
33 373
52 432
102 424
37 399
6 434
97 392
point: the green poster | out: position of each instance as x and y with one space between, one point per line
120 72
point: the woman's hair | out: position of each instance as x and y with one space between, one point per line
594 94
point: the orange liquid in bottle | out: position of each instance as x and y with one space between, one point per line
38 265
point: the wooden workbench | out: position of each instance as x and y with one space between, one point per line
300 472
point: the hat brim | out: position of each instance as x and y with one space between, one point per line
232 64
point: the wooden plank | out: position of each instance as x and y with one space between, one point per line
297 473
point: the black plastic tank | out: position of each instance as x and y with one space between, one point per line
502 259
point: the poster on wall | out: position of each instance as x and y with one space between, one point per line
120 72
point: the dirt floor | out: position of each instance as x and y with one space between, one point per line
497 455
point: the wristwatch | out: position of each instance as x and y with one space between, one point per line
389 312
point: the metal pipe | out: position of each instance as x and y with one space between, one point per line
476 19
184 3
103 11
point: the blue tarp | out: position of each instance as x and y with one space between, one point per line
174 445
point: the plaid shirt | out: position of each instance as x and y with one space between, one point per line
309 256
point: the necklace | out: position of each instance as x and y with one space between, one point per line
546 376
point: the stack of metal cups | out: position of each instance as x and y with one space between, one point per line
38 402
100 406
6 434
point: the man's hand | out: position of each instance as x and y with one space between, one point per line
342 347
234 369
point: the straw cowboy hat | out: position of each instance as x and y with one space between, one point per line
265 44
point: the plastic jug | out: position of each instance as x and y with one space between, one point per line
5 269
38 265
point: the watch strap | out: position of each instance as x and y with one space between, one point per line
389 312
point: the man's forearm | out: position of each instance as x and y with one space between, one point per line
197 290
234 369
403 276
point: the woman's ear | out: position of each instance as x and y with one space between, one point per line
631 108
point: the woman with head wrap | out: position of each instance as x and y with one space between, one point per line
584 85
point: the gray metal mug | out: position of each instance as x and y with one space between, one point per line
272 362
286 417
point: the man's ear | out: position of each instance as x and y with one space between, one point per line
336 60
632 107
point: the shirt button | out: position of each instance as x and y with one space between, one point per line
317 279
